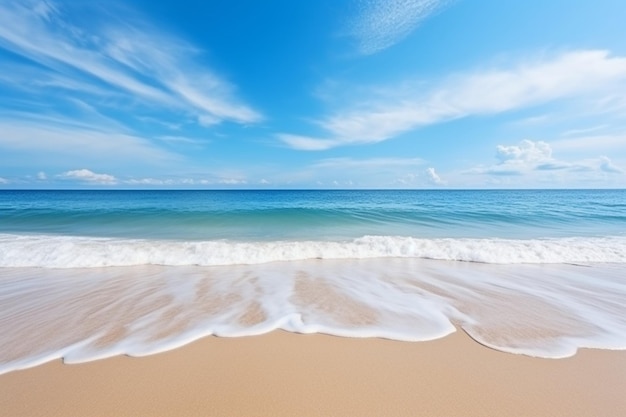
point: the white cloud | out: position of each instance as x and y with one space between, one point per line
181 140
148 181
434 177
306 143
189 181
383 23
585 73
42 176
3 181
530 158
232 181
580 132
526 152
131 58
87 176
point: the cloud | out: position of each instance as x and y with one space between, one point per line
42 176
130 58
381 172
575 74
607 166
90 177
181 140
49 138
531 157
434 177
526 152
195 181
3 181
306 143
383 23
606 142
347 163
579 132
232 181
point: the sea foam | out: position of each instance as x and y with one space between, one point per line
86 252
86 314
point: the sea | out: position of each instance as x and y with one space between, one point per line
86 275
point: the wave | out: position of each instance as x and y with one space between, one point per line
86 252
86 314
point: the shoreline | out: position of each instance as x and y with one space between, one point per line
286 374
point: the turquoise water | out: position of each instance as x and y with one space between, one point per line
318 215
91 274
124 228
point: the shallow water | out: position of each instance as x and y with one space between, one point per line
85 314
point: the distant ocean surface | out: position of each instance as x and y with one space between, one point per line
542 272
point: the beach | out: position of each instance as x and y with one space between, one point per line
285 374
317 303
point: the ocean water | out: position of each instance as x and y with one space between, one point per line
91 274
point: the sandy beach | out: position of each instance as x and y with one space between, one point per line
284 374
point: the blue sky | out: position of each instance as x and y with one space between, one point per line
312 94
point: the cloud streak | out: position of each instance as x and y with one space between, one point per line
134 60
381 24
575 74
50 138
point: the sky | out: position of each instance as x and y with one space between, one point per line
209 94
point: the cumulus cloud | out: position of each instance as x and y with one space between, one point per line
526 152
583 73
42 176
90 177
530 157
383 23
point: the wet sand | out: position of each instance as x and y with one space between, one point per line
283 374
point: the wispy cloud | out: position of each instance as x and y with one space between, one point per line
89 177
129 58
604 143
580 132
434 177
346 163
576 74
50 138
380 24
3 181
383 172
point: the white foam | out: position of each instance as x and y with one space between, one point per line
86 252
87 314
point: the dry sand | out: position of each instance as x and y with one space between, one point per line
283 374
